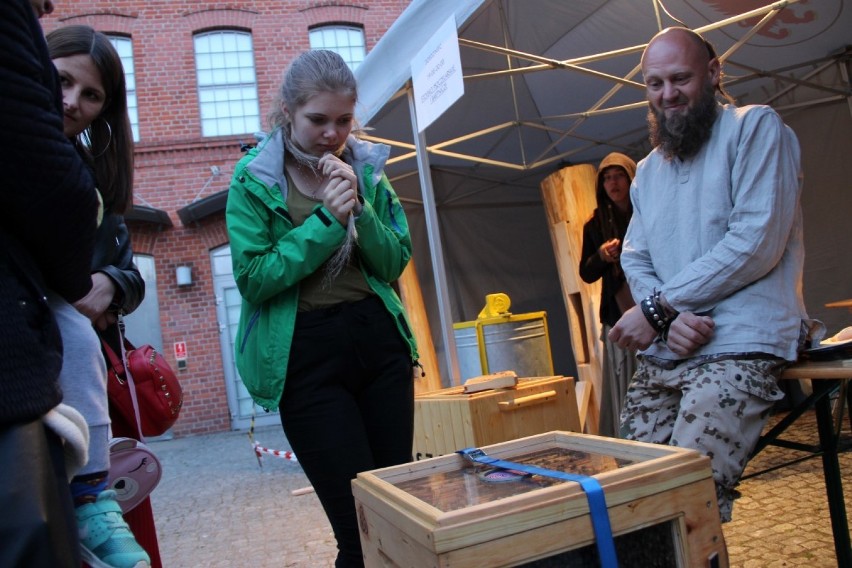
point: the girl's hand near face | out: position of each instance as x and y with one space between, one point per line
341 193
339 198
331 166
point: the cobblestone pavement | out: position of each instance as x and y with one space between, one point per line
215 507
782 517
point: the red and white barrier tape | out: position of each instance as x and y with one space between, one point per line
284 454
260 450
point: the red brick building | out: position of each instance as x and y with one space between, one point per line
201 77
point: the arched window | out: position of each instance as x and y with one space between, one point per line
227 83
348 41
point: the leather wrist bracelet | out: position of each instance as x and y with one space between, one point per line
656 314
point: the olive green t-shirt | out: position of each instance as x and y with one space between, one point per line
349 286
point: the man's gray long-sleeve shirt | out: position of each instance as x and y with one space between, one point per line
720 234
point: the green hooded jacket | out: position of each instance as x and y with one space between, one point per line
271 256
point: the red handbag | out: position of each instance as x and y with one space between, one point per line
150 395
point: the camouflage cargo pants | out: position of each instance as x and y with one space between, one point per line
716 406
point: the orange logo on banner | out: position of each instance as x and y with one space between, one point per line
180 350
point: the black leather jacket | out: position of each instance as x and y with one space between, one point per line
114 257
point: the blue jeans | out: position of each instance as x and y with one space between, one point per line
348 406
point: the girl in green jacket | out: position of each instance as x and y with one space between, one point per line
317 236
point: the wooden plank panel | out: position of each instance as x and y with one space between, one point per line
591 374
569 199
412 298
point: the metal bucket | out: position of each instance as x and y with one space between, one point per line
512 343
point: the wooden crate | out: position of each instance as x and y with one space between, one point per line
448 419
439 512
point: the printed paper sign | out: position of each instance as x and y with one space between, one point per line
436 74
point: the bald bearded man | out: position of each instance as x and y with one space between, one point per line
713 257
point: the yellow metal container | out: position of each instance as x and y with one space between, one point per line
501 341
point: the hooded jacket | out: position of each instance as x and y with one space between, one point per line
607 222
271 255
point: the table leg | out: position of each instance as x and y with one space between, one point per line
829 441
848 403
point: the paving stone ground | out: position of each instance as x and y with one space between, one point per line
215 507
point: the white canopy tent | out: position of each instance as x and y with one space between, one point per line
550 83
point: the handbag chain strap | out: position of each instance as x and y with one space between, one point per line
130 384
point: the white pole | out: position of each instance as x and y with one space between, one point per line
435 247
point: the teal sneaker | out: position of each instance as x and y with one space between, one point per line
105 539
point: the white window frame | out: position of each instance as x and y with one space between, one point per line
347 40
227 83
124 46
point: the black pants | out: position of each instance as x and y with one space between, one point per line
37 523
348 406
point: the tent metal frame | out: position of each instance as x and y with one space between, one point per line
540 63
421 149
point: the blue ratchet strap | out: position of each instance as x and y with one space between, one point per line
594 494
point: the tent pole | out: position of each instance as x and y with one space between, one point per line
844 73
433 232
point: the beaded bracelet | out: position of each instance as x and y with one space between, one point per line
656 315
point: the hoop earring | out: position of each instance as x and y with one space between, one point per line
109 139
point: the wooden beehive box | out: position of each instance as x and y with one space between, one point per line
449 419
439 512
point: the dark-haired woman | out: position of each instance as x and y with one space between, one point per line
95 119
